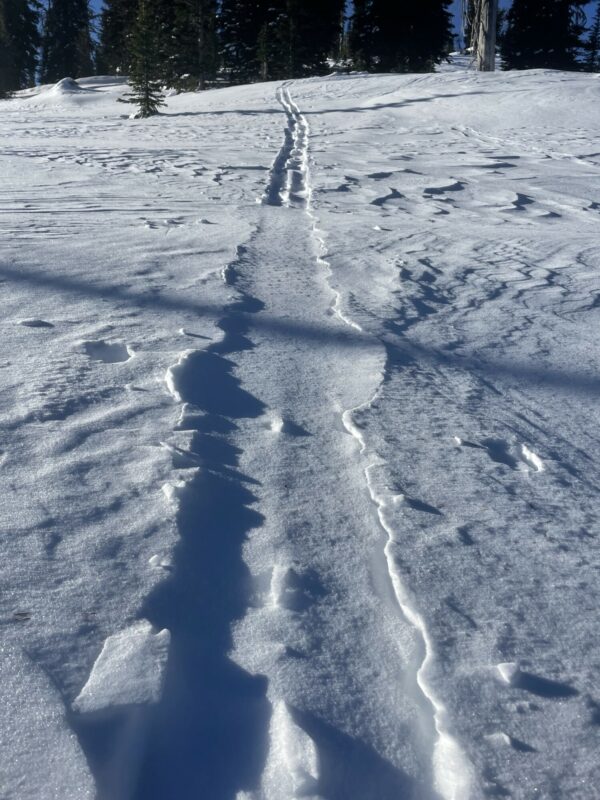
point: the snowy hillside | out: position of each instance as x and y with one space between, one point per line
300 441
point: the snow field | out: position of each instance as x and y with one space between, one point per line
299 440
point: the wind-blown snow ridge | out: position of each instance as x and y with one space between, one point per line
452 771
172 373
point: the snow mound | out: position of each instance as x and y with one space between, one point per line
66 86
67 89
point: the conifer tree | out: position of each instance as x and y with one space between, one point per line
245 34
360 37
311 31
194 53
593 44
66 42
5 63
19 42
161 18
401 36
116 24
543 34
273 39
472 20
144 74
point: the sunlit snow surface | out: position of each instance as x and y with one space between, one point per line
299 441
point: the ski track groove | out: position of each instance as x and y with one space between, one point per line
452 771
289 185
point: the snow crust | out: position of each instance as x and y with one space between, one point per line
299 413
41 757
128 671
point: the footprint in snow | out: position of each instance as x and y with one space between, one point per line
108 352
457 186
510 673
501 452
293 589
278 424
394 195
380 176
35 323
504 740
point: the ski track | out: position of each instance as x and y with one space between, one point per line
452 771
289 186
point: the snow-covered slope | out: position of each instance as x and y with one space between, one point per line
299 440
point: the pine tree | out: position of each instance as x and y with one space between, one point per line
360 37
592 62
66 42
116 24
194 52
161 16
543 34
311 31
5 61
144 75
19 42
403 36
245 28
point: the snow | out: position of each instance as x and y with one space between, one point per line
129 669
299 440
40 758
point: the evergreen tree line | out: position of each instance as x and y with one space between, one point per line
550 34
19 44
188 43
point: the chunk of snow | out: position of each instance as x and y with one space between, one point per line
531 458
293 762
508 671
129 669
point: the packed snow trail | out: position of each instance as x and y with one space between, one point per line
316 551
280 404
452 772
277 401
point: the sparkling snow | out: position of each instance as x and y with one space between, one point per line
299 440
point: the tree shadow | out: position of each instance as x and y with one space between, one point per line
244 112
411 354
410 101
316 112
402 352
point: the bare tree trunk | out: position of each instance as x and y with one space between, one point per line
486 44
